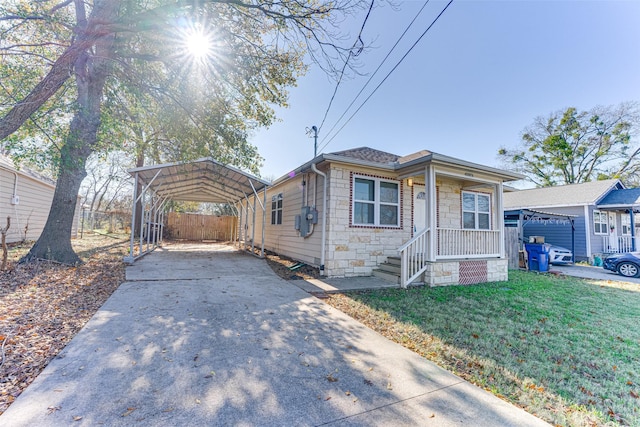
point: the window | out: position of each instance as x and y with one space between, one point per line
276 209
375 202
476 211
600 222
625 219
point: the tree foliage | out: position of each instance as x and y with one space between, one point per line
80 77
572 146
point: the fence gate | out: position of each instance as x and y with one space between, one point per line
189 226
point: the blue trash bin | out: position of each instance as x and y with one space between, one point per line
538 256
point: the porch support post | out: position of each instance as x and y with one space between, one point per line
633 230
430 211
500 217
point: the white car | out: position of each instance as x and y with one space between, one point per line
559 255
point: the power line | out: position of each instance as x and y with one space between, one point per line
358 41
387 76
377 69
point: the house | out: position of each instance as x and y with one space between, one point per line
426 216
603 215
26 197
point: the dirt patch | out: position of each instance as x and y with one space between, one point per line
290 269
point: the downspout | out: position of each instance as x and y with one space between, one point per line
324 216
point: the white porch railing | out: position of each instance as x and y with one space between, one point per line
455 243
618 244
413 257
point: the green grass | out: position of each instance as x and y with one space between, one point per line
562 348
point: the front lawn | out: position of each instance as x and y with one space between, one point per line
564 349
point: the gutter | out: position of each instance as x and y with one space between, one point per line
324 216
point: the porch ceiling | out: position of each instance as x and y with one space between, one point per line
203 180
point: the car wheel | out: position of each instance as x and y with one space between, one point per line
628 269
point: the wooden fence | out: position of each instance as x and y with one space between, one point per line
188 226
511 246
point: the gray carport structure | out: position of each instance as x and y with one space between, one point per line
204 180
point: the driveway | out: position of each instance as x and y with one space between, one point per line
594 273
202 335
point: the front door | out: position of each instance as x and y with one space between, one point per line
613 232
419 208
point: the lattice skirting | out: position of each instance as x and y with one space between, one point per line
472 272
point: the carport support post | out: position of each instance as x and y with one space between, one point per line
253 227
264 217
239 225
142 209
130 258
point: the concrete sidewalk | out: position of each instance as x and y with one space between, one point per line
200 337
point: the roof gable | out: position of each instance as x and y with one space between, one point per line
622 197
586 193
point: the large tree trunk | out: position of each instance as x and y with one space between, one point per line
91 71
55 241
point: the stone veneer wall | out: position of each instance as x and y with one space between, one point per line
357 250
445 273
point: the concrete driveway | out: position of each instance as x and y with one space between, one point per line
594 273
202 335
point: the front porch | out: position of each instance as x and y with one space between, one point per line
458 233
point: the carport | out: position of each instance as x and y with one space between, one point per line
520 217
204 180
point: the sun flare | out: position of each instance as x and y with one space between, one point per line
198 45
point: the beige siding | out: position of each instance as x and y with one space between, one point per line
29 216
283 238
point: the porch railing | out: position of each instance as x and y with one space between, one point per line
455 243
413 257
619 244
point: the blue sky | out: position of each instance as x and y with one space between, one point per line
481 75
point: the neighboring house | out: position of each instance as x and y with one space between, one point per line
602 211
26 197
439 217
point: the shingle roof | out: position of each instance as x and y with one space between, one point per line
621 197
563 195
368 154
8 164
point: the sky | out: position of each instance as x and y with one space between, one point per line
480 75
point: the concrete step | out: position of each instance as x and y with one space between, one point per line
390 268
385 275
395 260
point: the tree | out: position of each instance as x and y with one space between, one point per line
574 146
65 63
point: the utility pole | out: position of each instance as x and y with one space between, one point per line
314 129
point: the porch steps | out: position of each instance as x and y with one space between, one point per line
389 270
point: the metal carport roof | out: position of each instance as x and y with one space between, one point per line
204 180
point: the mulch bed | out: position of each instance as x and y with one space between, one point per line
43 305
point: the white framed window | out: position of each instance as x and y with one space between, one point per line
625 224
600 222
375 202
476 211
276 209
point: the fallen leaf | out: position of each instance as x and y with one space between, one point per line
77 418
634 394
128 412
